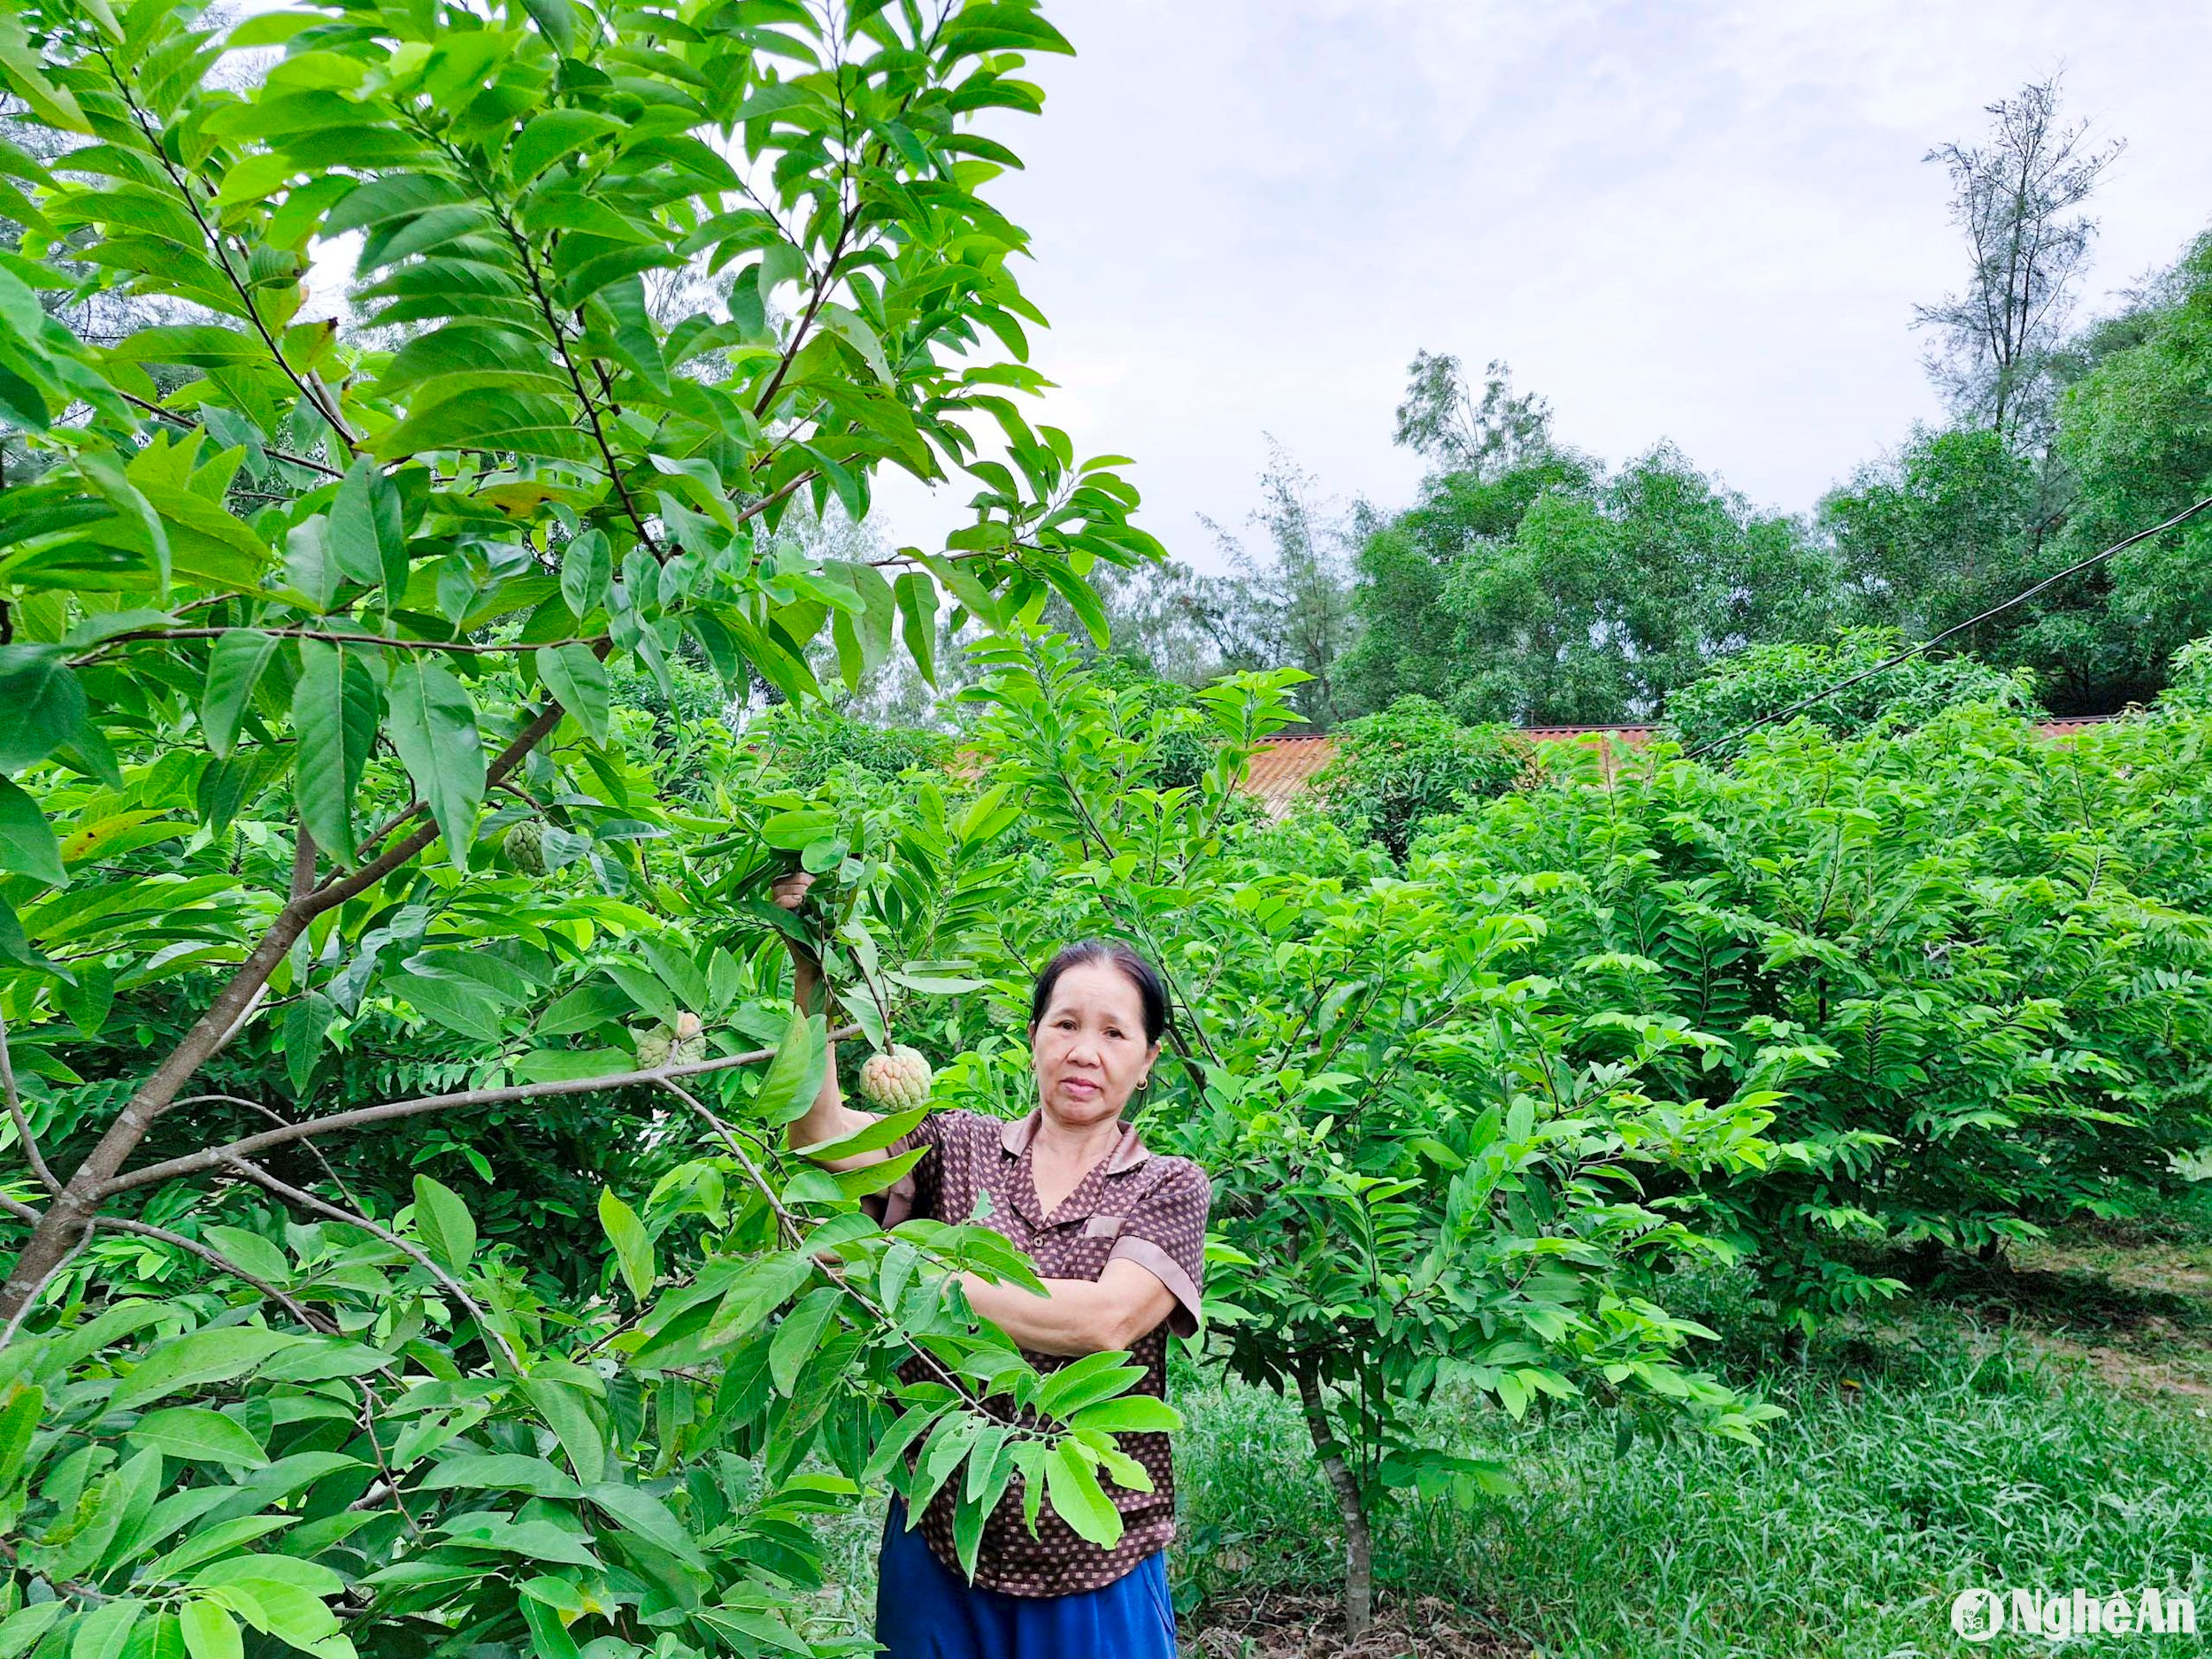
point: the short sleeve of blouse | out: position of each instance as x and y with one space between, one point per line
1165 1234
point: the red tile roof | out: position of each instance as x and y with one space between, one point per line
1283 769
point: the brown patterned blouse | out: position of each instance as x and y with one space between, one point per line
1132 1206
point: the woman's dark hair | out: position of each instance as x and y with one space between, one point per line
1151 988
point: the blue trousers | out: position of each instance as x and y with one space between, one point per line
924 1611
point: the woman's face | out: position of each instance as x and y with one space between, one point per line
1089 1050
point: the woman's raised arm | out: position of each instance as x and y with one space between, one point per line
828 1118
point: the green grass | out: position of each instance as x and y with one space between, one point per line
1934 1455
2039 1429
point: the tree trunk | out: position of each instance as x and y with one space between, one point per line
65 1222
1359 1544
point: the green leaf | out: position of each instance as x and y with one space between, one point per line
1131 1414
556 19
198 1435
1081 597
633 1245
234 667
433 728
488 419
205 1356
552 136
364 535
447 1230
578 680
750 1627
548 1637
104 1632
288 1612
1093 1378
788 1088
873 1138
334 714
763 1285
306 1023
1077 1498
879 1177
500 1471
917 620
19 1419
310 1576
800 1334
20 1631
464 1005
586 569
565 1413
251 1251
28 845
647 1517
1000 27
209 1631
42 705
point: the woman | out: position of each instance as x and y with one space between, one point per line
1117 1235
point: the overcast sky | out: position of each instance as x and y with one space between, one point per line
1684 219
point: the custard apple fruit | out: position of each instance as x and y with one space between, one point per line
897 1081
684 1043
524 844
691 1041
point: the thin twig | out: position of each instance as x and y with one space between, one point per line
215 1258
470 648
796 1233
23 1123
191 425
67 1586
277 1118
493 1338
393 1111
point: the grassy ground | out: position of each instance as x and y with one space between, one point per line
2045 1427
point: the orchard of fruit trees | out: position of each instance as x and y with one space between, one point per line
398 1033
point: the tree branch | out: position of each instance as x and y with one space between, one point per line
216 1259
31 1153
64 1225
190 425
395 1111
472 647
493 1338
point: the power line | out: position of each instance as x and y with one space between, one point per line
1803 703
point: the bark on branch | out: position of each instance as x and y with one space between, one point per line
393 1111
67 1220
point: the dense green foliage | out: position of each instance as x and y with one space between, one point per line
1578 599
334 781
1418 1182
1412 761
1761 682
1970 963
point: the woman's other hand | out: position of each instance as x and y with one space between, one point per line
790 891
